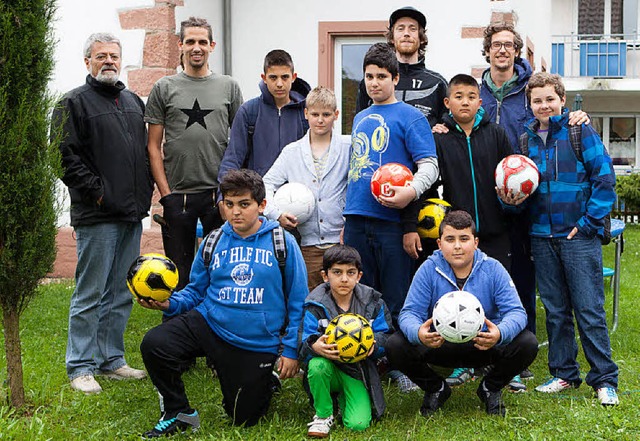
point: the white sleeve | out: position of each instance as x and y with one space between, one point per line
426 175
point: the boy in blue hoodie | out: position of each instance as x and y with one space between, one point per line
357 385
238 311
504 342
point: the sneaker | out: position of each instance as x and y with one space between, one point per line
125 372
526 375
554 385
459 376
178 424
86 384
492 400
405 385
320 427
516 385
607 396
276 384
481 372
434 401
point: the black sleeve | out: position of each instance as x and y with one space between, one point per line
362 100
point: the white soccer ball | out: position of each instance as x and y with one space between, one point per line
458 316
518 174
297 199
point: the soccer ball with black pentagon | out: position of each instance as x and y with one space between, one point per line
430 216
458 316
152 276
353 335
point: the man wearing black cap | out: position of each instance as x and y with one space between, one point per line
418 86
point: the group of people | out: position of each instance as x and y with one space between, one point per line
257 295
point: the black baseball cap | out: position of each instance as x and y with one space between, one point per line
408 11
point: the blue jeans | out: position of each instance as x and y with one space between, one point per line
569 275
386 266
101 302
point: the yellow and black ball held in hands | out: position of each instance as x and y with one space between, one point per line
353 335
152 276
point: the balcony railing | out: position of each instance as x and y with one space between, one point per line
604 56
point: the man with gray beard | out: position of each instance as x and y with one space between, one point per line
104 157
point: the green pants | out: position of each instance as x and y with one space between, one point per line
353 398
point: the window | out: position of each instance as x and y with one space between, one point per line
349 54
342 46
618 134
597 17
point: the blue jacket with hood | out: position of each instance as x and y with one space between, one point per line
274 129
488 281
514 110
240 294
571 193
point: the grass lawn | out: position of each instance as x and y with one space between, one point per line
125 409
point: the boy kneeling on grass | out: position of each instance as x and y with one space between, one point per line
357 385
239 310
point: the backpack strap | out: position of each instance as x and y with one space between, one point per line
210 242
575 137
523 143
253 108
280 251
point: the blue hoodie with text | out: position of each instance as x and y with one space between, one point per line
241 296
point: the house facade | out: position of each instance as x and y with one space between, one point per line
328 39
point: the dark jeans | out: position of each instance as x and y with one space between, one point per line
181 213
245 377
522 270
508 360
386 266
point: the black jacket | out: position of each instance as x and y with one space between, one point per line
424 89
469 183
104 153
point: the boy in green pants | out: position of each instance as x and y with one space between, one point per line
357 385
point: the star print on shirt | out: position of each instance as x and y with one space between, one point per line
196 115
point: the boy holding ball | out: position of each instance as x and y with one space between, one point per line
357 384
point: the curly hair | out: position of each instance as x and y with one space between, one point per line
542 79
493 29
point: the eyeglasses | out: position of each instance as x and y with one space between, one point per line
497 45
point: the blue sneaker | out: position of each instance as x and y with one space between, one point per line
172 426
459 376
516 385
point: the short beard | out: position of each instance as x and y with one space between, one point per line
110 79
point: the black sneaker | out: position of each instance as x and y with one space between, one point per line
434 400
492 400
172 426
526 374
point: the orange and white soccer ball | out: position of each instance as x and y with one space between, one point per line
517 174
387 175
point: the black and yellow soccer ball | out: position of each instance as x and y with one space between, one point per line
353 335
152 276
430 216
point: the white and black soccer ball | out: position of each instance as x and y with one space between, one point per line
458 316
297 199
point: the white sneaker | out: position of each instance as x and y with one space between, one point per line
608 396
554 385
86 384
125 372
320 427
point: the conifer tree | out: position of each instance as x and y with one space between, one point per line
29 165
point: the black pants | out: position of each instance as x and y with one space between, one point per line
523 271
508 361
181 212
245 377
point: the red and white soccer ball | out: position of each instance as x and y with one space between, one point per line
517 174
387 175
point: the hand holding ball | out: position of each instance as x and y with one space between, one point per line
387 175
152 276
